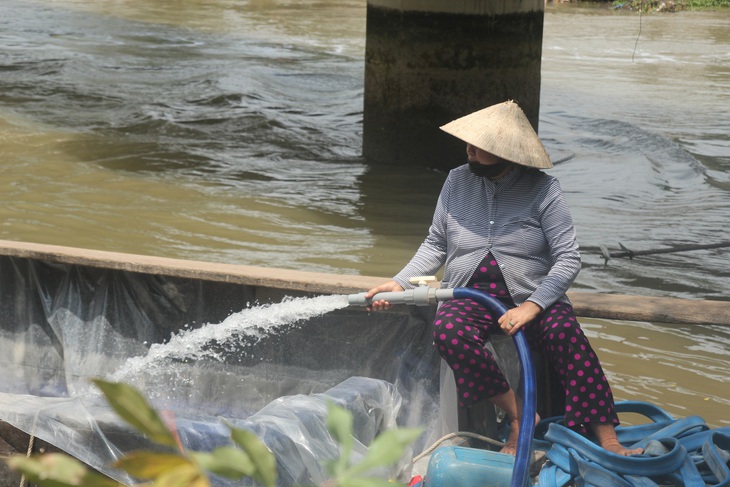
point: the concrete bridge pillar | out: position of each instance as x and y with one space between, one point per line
428 62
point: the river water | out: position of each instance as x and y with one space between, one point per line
230 131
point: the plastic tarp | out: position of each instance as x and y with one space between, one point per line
293 427
203 352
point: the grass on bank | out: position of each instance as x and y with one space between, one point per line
669 5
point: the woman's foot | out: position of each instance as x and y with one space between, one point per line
510 446
606 435
509 403
619 449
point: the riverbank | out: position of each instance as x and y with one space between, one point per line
668 5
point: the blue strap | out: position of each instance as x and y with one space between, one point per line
662 461
560 457
592 473
678 429
716 452
633 465
651 411
689 474
626 434
631 434
552 476
636 481
574 458
539 442
695 441
681 452
684 452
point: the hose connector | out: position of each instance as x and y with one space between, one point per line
422 295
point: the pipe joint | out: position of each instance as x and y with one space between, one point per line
418 296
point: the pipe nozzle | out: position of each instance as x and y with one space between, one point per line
419 296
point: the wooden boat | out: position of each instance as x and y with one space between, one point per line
140 300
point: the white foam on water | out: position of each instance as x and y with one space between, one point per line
255 322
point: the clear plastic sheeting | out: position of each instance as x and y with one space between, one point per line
202 351
296 425
293 427
89 431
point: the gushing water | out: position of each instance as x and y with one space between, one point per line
251 324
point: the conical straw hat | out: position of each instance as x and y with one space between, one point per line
502 130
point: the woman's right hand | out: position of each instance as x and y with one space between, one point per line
390 286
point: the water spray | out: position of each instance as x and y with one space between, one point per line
425 295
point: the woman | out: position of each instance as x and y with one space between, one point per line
503 226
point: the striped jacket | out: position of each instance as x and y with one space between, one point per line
522 219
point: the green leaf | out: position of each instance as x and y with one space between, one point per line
264 461
364 482
386 449
185 476
150 464
57 467
334 468
339 424
134 409
59 470
227 462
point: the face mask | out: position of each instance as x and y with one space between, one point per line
487 171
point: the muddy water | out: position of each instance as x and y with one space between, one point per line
230 131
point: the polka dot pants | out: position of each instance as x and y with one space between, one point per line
462 327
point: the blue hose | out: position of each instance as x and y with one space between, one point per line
424 295
521 473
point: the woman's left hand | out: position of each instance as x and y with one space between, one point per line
516 318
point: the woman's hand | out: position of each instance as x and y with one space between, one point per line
390 286
516 318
